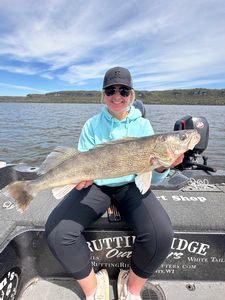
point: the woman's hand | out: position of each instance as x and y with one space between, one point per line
84 184
177 162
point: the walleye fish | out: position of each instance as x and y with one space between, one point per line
66 167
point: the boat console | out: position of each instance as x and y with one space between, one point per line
193 195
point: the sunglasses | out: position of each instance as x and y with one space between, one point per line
124 91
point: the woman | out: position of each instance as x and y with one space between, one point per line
89 200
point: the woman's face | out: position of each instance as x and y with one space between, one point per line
117 97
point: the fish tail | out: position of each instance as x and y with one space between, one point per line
21 192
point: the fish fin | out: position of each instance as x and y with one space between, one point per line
60 192
19 191
143 181
55 158
165 163
119 141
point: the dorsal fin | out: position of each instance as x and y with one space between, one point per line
55 158
126 139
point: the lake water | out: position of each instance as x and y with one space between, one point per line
28 132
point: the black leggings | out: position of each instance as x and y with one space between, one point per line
144 213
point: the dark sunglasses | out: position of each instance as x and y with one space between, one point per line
124 91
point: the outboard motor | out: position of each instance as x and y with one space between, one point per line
190 157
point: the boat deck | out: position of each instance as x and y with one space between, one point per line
193 269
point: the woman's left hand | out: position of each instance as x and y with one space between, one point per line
178 160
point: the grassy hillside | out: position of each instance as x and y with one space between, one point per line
188 96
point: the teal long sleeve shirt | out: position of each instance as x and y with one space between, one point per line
104 127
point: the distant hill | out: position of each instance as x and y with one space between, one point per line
178 96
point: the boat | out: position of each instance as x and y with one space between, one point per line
193 194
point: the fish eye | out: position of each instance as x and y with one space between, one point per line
182 136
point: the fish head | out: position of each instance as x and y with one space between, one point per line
169 146
181 141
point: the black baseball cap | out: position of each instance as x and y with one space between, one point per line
117 75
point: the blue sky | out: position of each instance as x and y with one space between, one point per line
60 45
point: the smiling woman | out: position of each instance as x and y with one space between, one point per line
118 93
118 119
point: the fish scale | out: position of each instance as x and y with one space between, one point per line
66 167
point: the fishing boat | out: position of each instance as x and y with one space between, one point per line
193 194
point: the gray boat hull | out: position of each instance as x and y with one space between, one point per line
194 269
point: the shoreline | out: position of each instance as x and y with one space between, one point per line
198 96
168 102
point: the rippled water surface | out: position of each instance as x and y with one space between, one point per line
28 132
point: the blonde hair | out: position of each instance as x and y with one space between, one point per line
132 96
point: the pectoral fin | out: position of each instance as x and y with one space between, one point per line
143 181
61 192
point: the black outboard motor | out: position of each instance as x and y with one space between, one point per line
199 123
190 157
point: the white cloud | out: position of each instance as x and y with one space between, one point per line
76 41
47 75
22 87
20 70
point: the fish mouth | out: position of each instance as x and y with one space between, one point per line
194 141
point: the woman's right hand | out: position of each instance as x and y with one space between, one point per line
84 184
